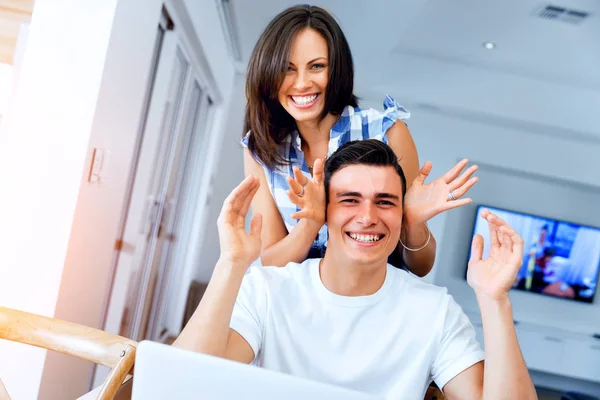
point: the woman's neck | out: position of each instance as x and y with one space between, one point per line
315 133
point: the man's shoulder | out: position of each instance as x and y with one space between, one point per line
273 277
426 293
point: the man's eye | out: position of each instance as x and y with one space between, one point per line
349 201
386 203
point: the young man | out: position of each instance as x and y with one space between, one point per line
351 319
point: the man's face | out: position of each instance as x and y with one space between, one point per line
364 214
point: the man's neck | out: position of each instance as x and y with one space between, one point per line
346 278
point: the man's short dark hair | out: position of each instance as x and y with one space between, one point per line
370 152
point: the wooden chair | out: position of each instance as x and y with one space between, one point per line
115 352
434 393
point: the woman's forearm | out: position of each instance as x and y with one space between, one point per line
294 247
419 262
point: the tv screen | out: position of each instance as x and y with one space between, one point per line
560 258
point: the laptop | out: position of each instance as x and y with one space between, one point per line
165 372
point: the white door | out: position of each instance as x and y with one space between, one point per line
173 140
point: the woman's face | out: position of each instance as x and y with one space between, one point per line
302 92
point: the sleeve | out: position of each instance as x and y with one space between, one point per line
249 312
458 349
244 141
392 111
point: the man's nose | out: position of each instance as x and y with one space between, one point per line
367 214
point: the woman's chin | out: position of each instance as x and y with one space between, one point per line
304 115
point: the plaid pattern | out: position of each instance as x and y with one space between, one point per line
353 124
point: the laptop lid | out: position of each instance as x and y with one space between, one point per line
165 372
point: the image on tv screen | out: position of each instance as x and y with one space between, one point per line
560 259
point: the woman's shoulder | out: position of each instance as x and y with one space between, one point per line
283 149
369 123
391 110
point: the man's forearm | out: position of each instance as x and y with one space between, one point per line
208 328
505 375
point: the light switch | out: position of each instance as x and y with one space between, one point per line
99 170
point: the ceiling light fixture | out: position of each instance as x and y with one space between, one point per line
489 45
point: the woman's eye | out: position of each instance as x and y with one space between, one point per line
318 66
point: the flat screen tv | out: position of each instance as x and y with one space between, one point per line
560 259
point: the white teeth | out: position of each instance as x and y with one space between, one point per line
365 238
302 100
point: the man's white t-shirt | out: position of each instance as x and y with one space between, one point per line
392 343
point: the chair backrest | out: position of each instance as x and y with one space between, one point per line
3 393
113 351
433 393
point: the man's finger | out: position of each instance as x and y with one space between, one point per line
248 200
477 248
516 243
236 197
494 241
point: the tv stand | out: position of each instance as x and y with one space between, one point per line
554 351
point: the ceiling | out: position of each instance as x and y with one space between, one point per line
12 14
543 75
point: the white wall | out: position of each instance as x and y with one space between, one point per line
205 18
43 147
511 159
229 172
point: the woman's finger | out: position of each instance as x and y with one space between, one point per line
318 168
463 178
462 190
295 199
299 176
295 187
423 173
454 171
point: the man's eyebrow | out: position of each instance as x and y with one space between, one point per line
386 196
348 194
377 196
